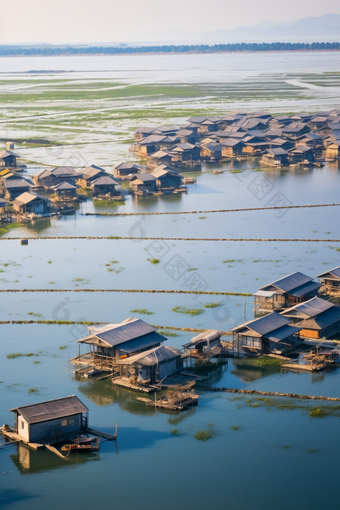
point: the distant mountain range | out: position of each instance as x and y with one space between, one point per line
314 29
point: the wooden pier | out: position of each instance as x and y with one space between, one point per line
123 381
176 402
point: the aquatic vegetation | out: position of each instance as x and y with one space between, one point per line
192 269
202 217
19 355
114 261
317 413
63 347
311 450
174 432
36 362
154 261
35 314
193 312
142 311
14 355
33 390
204 435
286 447
235 427
49 262
212 305
167 333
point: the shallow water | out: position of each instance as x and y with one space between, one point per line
268 440
273 449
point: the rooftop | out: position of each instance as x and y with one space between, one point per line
51 409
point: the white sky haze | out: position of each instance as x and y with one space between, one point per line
90 21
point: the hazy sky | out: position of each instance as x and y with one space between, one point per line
91 21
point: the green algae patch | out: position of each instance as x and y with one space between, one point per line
205 435
142 311
188 311
212 305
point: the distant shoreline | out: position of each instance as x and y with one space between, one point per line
153 53
164 49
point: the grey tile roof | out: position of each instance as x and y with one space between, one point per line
51 409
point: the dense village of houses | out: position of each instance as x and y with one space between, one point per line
164 151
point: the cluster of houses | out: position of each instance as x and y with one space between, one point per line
51 188
296 308
134 353
277 140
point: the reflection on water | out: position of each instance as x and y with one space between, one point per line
30 461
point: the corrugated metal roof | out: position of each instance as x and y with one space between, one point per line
335 272
266 324
305 289
143 342
290 282
231 142
210 335
64 170
51 409
26 198
144 177
322 320
128 166
153 139
277 152
153 356
105 180
280 334
91 171
312 307
116 334
17 183
264 293
64 185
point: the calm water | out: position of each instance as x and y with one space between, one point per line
273 449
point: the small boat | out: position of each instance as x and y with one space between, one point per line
88 444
